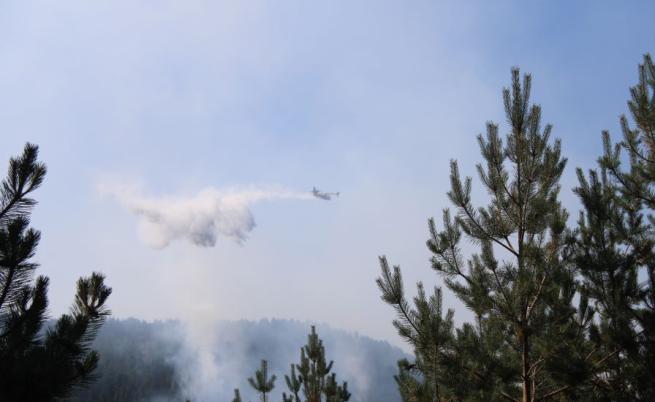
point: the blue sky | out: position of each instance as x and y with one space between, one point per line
371 98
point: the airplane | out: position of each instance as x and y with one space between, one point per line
323 195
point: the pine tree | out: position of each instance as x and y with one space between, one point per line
607 259
294 383
262 383
426 329
527 343
39 366
314 375
615 251
312 378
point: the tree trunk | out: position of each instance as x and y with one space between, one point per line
525 372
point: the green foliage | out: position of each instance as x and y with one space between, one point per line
262 383
615 255
312 377
528 342
35 366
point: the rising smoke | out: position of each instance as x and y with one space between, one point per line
167 361
201 218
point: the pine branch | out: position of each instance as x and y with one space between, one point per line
508 397
536 297
554 392
507 247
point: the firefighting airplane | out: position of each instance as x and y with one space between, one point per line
323 195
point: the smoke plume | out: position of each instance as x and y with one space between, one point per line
201 218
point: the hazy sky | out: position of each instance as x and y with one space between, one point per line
370 98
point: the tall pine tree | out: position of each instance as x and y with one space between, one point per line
527 343
39 366
615 250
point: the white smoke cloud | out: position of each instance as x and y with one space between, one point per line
201 218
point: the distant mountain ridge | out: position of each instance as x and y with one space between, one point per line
166 361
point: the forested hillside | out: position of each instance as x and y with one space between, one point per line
162 361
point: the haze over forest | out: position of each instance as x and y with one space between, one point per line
157 361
